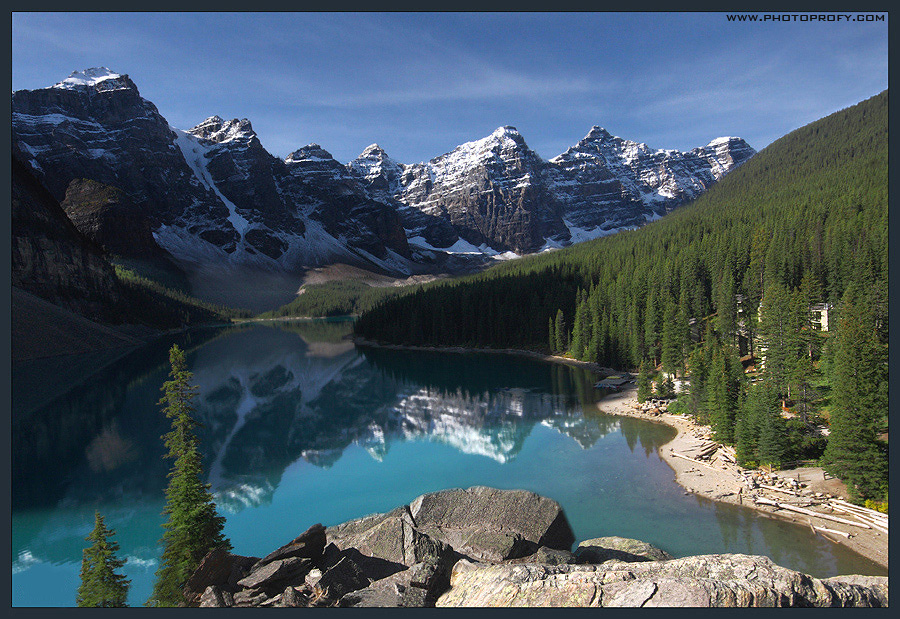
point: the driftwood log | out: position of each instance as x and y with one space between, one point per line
807 512
867 520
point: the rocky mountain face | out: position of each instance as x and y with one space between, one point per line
50 257
498 194
209 194
213 195
483 547
619 183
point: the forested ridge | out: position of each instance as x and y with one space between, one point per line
803 222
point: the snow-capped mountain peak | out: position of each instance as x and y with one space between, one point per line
506 131
88 77
596 134
374 161
721 141
310 152
217 130
373 150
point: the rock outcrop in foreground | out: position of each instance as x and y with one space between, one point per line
488 547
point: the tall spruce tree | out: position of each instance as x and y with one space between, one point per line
776 328
192 528
559 328
772 443
100 585
723 387
859 400
671 339
643 382
761 400
551 338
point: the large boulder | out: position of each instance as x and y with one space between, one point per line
491 524
548 556
602 549
391 537
277 574
310 544
219 568
342 578
481 523
418 586
729 580
213 597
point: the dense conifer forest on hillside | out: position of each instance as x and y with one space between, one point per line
716 288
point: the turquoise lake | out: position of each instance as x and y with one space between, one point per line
300 426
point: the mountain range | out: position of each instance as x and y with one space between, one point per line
210 206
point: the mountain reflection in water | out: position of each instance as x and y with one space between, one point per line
272 395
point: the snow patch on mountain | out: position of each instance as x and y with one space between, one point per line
88 77
195 155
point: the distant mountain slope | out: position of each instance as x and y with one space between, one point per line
223 208
812 204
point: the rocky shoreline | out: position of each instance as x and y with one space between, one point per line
499 548
725 481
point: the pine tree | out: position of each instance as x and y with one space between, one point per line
727 308
761 398
580 328
683 330
193 528
100 585
665 388
551 339
699 371
775 328
651 326
772 442
671 339
643 382
722 392
859 400
559 328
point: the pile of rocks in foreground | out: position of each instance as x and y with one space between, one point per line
489 547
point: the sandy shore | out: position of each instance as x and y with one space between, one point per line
721 481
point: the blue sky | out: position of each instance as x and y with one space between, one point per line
419 84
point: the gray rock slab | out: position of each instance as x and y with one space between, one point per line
342 578
729 580
309 544
481 523
602 549
277 573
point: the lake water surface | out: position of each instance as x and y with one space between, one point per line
300 426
